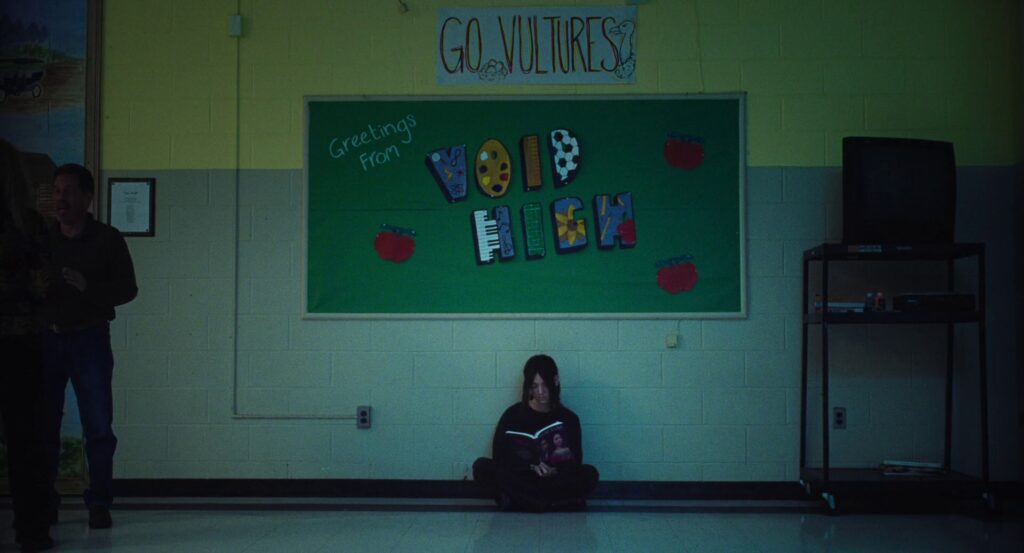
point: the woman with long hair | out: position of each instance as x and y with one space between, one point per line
537 449
23 282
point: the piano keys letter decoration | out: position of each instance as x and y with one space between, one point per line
493 168
492 234
615 219
448 167
565 156
533 230
570 231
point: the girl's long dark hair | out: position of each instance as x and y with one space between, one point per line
547 369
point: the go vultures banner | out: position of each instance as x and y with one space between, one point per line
573 45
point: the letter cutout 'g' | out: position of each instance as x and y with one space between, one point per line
615 220
570 230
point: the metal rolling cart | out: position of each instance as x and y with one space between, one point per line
827 482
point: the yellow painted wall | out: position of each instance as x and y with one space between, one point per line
177 90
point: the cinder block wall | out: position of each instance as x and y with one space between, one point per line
216 331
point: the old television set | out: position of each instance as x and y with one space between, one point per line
898 191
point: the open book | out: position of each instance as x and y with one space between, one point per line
549 444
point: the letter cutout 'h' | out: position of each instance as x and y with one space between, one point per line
615 220
492 234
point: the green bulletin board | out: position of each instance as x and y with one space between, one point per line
367 173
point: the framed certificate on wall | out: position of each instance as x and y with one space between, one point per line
131 206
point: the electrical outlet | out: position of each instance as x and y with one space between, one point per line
363 416
839 418
671 341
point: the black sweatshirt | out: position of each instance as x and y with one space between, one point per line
101 255
525 437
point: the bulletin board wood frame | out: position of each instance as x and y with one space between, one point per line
364 173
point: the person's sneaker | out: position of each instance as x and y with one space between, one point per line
99 517
36 543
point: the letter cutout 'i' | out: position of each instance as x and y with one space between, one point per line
529 153
448 167
570 231
565 156
533 230
615 220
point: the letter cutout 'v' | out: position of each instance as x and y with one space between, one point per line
448 167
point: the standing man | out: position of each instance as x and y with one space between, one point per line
93 274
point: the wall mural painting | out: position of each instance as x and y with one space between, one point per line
43 50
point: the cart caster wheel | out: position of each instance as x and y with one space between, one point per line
830 502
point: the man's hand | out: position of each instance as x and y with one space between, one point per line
74 278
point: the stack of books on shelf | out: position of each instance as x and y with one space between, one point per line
840 304
912 468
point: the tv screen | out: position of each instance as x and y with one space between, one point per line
898 191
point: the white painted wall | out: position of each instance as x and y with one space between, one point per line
724 405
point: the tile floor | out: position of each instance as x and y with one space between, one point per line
276 526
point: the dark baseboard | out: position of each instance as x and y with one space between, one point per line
449 489
465 489
680 497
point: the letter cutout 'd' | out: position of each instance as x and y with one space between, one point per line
565 156
493 168
529 153
448 167
492 234
533 230
570 232
615 219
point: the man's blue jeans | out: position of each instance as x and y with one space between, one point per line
85 358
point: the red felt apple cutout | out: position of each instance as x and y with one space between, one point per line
677 278
392 246
684 151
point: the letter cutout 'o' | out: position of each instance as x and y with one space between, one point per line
493 168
